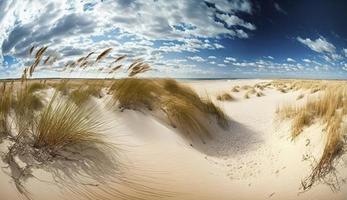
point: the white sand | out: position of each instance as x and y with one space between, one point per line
255 159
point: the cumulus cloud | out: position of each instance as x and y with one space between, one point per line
345 52
320 45
212 57
290 60
344 67
73 28
196 58
233 20
307 60
230 59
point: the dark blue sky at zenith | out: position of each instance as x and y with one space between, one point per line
183 38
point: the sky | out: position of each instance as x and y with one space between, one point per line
181 38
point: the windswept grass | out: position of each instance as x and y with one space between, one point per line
225 97
132 93
260 94
64 136
329 108
182 106
246 95
300 96
186 117
236 89
5 108
64 123
83 93
63 86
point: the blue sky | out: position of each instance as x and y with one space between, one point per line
183 38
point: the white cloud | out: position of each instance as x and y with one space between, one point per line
345 52
95 24
320 45
344 67
196 58
270 57
307 60
221 65
212 57
230 59
233 20
290 60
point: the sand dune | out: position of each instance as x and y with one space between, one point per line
254 158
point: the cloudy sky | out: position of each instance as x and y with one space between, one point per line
181 38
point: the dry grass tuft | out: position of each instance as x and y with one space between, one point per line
236 89
329 108
225 97
246 96
260 94
63 86
64 123
187 118
246 87
132 93
83 93
182 106
5 108
300 96
283 90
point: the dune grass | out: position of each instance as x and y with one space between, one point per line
85 91
64 123
5 108
182 106
300 96
225 97
186 117
132 93
246 95
329 108
259 94
236 89
63 136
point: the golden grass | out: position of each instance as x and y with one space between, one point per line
225 97
50 135
83 93
329 108
260 94
187 118
236 89
182 106
132 93
63 86
5 108
252 90
217 112
300 96
246 87
283 90
64 123
246 96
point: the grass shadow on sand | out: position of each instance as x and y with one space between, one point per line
237 139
